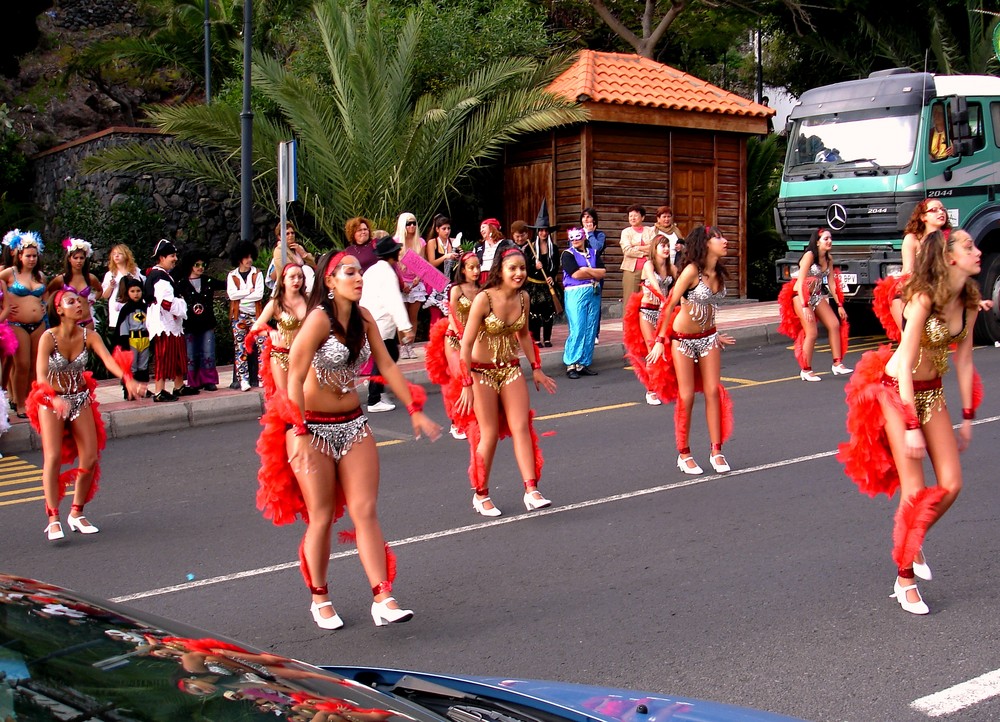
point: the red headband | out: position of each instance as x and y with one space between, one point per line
334 262
62 292
492 222
465 256
511 251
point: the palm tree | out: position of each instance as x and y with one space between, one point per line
368 144
764 246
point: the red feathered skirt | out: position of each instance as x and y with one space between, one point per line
658 377
40 397
867 457
886 290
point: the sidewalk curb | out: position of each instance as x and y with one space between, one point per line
210 410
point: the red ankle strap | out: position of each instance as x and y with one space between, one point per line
484 491
50 512
530 484
78 508
716 448
837 361
906 573
382 588
318 591
685 450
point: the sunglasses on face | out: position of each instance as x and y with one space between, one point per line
199 264
411 223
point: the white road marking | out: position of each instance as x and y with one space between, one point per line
957 698
694 481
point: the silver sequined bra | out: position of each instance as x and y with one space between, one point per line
332 369
703 303
65 374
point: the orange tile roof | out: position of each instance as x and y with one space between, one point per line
621 79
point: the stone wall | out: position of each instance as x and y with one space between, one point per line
193 214
92 14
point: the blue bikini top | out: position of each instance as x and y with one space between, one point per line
18 289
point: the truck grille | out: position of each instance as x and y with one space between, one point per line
864 217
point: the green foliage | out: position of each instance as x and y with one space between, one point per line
764 245
129 221
369 142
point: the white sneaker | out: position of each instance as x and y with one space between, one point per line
380 406
652 399
456 433
244 385
808 376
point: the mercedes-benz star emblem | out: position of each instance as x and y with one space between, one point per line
836 217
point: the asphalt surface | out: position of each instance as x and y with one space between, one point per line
767 587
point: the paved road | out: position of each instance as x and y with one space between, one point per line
766 587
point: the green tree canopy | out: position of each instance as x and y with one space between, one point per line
369 143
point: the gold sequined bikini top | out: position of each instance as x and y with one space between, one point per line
936 339
501 337
288 325
462 307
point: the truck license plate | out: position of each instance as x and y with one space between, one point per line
849 279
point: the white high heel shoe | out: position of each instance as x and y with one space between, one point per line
54 531
80 524
899 594
840 370
456 433
722 466
682 465
808 375
334 622
382 614
479 506
922 569
531 502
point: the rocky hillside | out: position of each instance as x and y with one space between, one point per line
49 106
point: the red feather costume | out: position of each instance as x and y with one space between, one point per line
886 290
41 397
658 377
867 457
791 325
279 496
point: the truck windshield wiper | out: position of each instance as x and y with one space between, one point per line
875 165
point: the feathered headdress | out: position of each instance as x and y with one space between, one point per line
17 240
73 245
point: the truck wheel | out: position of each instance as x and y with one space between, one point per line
987 329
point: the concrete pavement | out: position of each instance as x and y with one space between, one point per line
751 324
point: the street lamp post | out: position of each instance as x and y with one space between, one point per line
208 59
246 132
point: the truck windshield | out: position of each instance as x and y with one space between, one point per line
867 136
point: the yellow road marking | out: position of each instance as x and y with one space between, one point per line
22 501
20 491
26 480
580 412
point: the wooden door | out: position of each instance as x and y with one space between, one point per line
693 195
525 185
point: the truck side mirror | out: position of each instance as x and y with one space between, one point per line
958 119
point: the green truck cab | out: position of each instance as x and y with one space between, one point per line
862 153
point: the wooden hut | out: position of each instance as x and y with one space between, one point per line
656 136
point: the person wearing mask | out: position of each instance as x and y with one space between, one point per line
597 240
381 297
582 276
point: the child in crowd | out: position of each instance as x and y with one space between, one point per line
132 326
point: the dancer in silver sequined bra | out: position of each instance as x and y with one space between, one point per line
811 302
328 444
62 397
